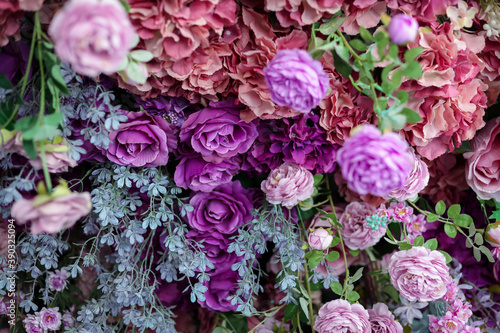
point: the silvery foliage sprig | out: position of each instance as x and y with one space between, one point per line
269 223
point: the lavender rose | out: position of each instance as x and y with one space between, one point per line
382 320
199 175
296 80
224 209
419 274
217 132
94 36
403 29
58 279
374 163
142 141
356 233
340 316
288 185
50 319
33 324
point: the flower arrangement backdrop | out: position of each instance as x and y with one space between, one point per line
250 166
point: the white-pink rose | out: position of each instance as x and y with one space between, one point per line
382 320
320 239
340 316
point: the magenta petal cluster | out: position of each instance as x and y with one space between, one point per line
340 316
94 36
374 163
356 233
288 185
217 132
52 216
382 320
419 274
403 29
320 239
143 141
296 80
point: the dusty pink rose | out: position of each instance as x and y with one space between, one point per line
10 14
356 233
320 239
288 185
94 36
483 162
340 316
382 320
52 215
419 274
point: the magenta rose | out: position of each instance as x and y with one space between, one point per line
356 233
143 141
340 316
217 132
224 209
483 162
220 288
94 36
382 320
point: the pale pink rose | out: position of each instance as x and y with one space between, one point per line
483 162
300 13
382 320
54 215
288 185
356 233
492 235
340 316
320 239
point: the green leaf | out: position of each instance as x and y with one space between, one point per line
357 275
450 230
317 179
413 53
478 239
487 253
495 215
402 96
341 66
446 255
365 34
141 55
53 119
5 82
477 254
337 287
331 26
419 241
315 259
463 220
358 45
126 5
432 218
135 73
354 253
440 207
392 292
291 311
237 322
431 244
332 256
454 211
412 70
396 78
412 117
404 246
381 39
472 230
303 305
30 148
6 112
394 51
463 148
353 296
56 76
335 241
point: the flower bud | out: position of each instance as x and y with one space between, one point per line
320 239
403 29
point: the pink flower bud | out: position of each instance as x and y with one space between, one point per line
320 239
403 29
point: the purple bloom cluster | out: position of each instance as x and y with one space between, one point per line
170 107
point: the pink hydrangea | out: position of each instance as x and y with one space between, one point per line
356 233
382 320
425 10
419 274
93 36
300 13
446 324
400 211
340 316
366 13
288 185
460 310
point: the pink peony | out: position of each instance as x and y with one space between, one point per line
52 214
340 316
288 185
483 162
94 36
320 239
419 274
382 320
356 233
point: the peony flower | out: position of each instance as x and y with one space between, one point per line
340 316
54 213
296 80
33 324
50 319
217 132
357 233
419 274
320 239
223 209
58 279
94 36
142 141
402 29
374 163
288 185
382 320
483 170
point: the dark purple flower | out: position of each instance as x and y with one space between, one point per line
299 140
217 132
13 60
220 288
199 175
224 209
170 107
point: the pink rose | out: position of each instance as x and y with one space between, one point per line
382 320
94 36
402 29
356 233
340 316
54 214
320 239
288 185
483 167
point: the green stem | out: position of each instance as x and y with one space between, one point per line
46 173
349 48
38 30
308 287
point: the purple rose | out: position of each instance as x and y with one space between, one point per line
357 233
220 288
340 316
374 163
94 36
143 141
296 80
217 132
224 209
171 107
403 29
13 60
199 175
